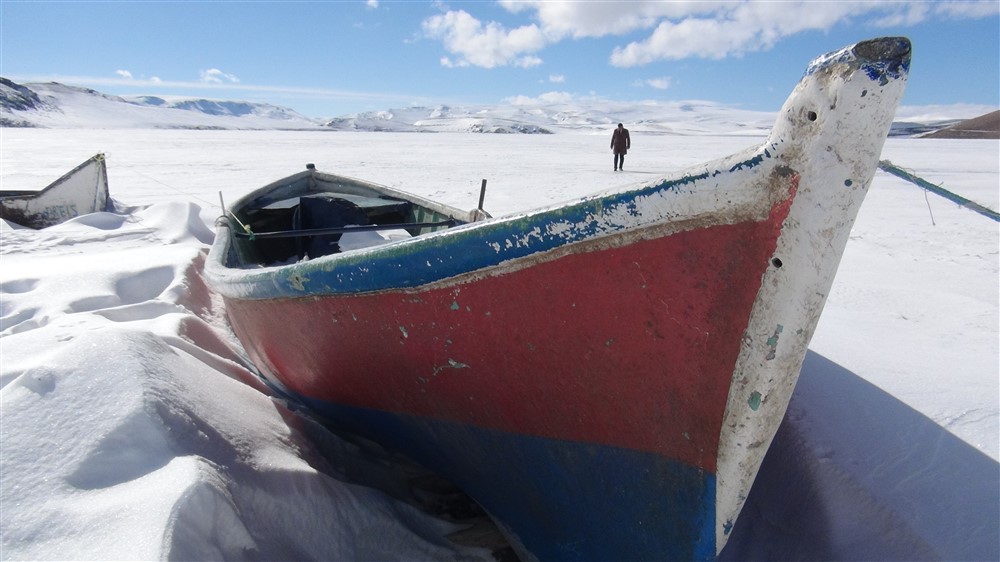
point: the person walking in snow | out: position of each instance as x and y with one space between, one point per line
620 143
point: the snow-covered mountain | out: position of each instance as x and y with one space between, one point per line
215 107
679 118
54 105
58 106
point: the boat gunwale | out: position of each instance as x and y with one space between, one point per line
288 280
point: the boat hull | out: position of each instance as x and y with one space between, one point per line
603 376
605 368
83 190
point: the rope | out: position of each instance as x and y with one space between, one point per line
209 204
929 211
135 170
920 182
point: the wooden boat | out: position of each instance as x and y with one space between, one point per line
603 376
81 191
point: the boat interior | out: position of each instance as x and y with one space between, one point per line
318 215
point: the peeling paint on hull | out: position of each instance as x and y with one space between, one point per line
674 309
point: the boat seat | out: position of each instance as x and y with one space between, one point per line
376 207
324 211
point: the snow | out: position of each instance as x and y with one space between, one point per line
132 425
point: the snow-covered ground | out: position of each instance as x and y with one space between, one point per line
133 427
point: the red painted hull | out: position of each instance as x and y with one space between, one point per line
631 346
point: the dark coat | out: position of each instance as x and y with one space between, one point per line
620 141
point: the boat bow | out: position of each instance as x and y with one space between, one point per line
82 190
603 376
830 132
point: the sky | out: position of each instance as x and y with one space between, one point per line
334 58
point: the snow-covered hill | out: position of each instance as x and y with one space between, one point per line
58 106
540 117
54 105
216 107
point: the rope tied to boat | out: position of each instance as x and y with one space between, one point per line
225 212
899 172
247 232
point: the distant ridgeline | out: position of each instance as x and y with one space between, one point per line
55 105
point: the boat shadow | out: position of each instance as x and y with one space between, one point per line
855 474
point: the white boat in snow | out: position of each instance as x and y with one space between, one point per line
81 191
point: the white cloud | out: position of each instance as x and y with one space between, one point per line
672 30
907 15
557 78
556 97
596 19
127 76
659 83
546 98
527 61
963 10
521 100
736 29
690 38
373 4
216 76
917 12
487 46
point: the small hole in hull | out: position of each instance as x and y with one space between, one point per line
776 262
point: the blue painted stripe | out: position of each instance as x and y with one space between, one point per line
890 59
460 250
564 500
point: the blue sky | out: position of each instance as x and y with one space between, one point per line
331 58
